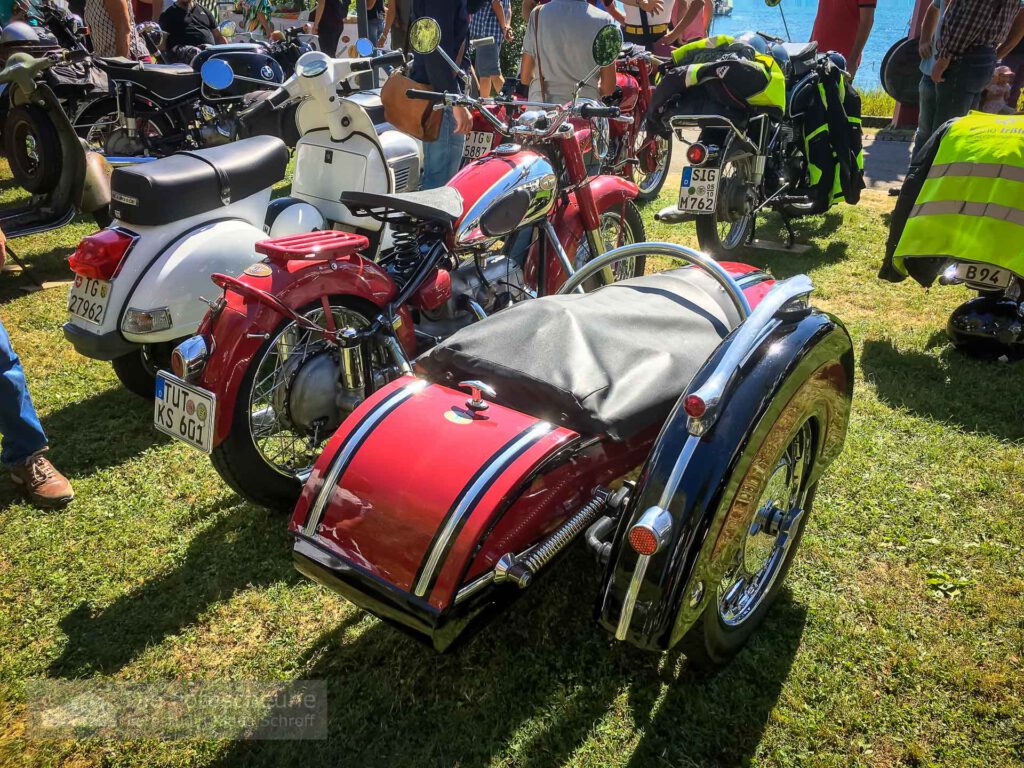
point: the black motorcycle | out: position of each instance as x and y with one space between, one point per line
748 152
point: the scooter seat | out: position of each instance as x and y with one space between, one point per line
611 362
442 205
189 183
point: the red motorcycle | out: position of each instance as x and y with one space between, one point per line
431 508
304 336
625 146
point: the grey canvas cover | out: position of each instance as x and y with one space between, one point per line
609 362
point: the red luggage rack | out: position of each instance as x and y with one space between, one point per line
326 245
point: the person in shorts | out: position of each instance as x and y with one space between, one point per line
492 19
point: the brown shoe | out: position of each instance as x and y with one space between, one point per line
44 485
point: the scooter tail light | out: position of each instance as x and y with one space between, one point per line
697 153
101 255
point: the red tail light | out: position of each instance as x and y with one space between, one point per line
99 256
697 154
694 406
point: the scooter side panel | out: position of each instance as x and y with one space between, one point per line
385 497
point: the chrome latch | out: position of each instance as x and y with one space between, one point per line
477 389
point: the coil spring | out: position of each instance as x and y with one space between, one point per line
568 531
406 254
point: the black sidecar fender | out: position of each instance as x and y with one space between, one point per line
801 370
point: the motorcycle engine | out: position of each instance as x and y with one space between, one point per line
218 127
492 284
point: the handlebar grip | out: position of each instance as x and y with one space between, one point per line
363 65
432 96
480 42
590 111
389 59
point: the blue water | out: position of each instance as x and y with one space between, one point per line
892 20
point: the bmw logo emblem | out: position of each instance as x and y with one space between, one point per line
267 72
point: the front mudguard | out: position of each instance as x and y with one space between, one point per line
802 370
236 330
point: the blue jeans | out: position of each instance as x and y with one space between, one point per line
375 27
955 96
441 158
22 434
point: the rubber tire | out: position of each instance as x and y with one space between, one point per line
237 460
652 194
710 644
47 175
635 222
102 217
709 242
134 375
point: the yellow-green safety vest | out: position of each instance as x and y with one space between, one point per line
773 94
971 205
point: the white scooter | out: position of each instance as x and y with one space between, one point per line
140 283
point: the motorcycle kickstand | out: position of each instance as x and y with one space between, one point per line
790 234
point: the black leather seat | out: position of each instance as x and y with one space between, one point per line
801 55
170 82
189 183
612 362
443 205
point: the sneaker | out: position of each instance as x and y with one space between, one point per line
44 485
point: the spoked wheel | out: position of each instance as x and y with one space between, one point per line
728 228
619 226
292 398
764 547
654 156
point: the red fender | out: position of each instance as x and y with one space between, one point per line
609 192
237 332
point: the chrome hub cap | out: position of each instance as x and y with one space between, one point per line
768 537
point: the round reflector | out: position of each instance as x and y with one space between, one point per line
643 540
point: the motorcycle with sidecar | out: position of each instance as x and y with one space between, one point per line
509 226
679 423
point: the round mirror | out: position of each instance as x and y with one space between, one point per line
772 3
311 64
425 35
228 29
217 74
607 45
364 47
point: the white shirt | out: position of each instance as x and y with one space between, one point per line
653 19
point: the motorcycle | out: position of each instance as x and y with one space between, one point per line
273 378
627 149
68 179
180 218
748 158
724 394
154 110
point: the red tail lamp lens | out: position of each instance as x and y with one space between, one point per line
694 406
99 256
643 540
697 154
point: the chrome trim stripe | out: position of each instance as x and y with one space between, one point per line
468 499
349 447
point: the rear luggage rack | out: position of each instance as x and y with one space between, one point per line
326 245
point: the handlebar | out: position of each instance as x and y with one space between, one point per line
590 111
432 96
771 38
394 58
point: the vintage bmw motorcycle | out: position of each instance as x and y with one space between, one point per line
729 392
777 127
272 383
145 279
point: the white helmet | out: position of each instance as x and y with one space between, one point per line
19 32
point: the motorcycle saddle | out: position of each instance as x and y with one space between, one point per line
801 55
614 361
189 183
169 82
443 205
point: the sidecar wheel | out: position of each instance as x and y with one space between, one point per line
33 149
765 546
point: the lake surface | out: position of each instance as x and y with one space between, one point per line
892 21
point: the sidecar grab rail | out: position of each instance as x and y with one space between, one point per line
681 252
702 404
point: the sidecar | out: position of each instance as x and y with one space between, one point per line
678 423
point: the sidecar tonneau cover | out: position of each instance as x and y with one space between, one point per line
610 362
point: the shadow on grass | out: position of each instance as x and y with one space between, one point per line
980 396
242 549
812 232
530 689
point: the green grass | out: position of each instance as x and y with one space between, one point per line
898 641
877 103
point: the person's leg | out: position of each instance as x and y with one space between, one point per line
441 158
328 37
925 115
375 26
1015 61
960 90
22 434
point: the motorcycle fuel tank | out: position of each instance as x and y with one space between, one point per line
247 60
630 91
502 191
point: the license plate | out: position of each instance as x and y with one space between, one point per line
478 144
699 190
184 411
88 299
983 276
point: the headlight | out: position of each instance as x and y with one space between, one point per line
146 320
311 64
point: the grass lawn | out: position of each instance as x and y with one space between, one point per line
898 642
